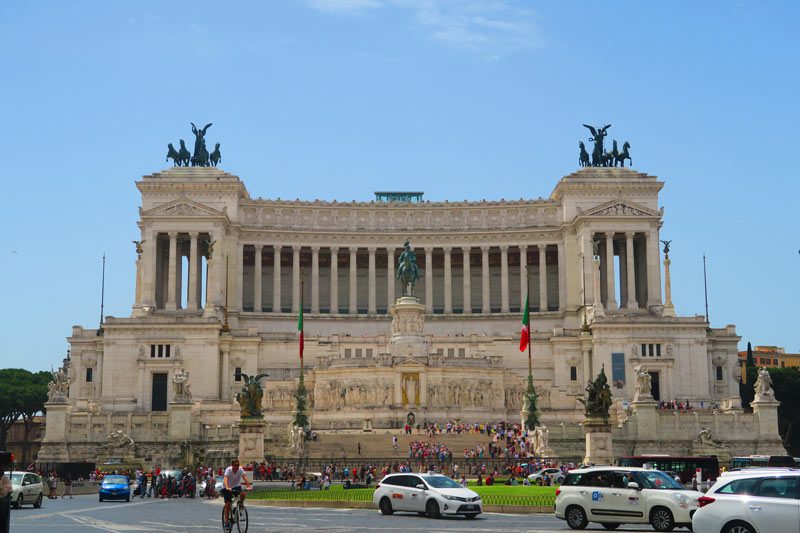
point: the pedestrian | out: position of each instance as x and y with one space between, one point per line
394 442
359 448
68 486
142 484
53 483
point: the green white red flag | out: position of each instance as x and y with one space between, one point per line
524 339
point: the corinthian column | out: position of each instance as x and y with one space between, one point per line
334 305
598 303
315 279
543 304
191 301
172 277
353 287
371 306
429 280
486 307
523 276
295 279
467 280
504 306
630 271
448 281
276 278
389 277
257 279
669 309
611 292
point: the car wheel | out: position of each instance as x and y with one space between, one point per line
17 504
612 525
128 499
737 527
432 509
38 502
101 498
386 506
661 519
576 517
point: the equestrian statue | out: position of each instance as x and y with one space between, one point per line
407 271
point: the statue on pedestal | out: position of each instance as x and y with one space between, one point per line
251 396
763 387
407 271
180 386
644 384
118 439
58 389
598 397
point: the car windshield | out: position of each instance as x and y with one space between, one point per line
115 480
16 478
655 479
442 482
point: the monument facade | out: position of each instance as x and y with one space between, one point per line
218 292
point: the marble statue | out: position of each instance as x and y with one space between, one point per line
180 386
58 389
706 438
298 436
644 384
118 439
763 386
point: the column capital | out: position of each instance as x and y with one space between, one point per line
609 234
523 247
315 249
447 249
172 234
541 247
429 250
372 249
353 251
485 249
194 234
296 248
334 249
258 247
504 248
630 234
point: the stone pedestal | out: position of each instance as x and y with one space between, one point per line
599 445
646 418
766 412
180 421
408 322
56 422
251 440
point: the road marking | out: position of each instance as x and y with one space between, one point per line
84 510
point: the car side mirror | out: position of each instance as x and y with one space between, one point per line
421 486
633 485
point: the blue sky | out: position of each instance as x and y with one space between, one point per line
335 99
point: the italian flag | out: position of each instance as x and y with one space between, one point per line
526 328
300 327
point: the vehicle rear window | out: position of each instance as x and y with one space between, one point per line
740 486
572 479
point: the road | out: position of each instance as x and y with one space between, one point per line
85 513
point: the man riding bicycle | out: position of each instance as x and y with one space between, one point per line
232 486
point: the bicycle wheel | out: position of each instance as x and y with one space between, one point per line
223 517
242 521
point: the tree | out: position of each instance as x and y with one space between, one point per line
14 398
786 384
750 362
33 395
747 389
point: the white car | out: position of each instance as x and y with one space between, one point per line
26 487
760 501
624 495
217 485
555 475
431 494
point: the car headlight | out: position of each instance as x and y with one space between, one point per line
455 498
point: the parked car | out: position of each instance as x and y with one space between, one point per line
427 494
115 487
756 501
217 485
26 487
615 495
555 475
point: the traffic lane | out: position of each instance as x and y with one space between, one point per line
85 513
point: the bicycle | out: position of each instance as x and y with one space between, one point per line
238 515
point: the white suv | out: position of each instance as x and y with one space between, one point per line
624 495
431 494
26 487
751 502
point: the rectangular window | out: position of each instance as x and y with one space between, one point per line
644 350
651 350
369 352
158 398
573 373
462 352
161 350
439 351
166 350
152 350
775 362
451 352
618 370
348 352
89 376
719 373
658 350
358 352
237 374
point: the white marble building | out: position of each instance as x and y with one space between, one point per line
211 253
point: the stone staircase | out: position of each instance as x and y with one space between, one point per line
379 445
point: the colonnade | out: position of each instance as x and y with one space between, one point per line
638 272
447 279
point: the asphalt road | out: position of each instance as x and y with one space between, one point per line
85 513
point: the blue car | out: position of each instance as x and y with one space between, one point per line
115 487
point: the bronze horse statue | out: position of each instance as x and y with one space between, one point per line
184 154
583 159
216 156
623 155
174 155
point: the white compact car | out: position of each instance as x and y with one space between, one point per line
431 494
624 495
759 501
555 475
26 487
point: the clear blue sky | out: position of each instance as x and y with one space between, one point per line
335 99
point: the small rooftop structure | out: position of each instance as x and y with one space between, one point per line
389 196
